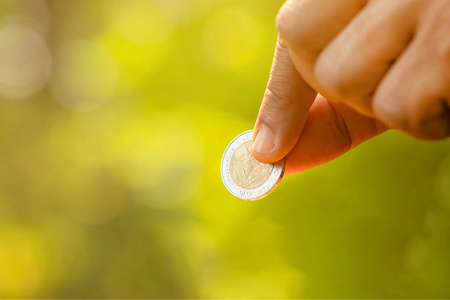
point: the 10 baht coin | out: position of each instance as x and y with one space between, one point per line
243 175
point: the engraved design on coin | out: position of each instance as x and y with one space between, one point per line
243 175
246 171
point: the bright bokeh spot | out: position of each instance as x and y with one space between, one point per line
143 22
85 75
189 11
138 35
231 39
137 62
36 14
24 62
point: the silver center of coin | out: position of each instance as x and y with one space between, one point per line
246 171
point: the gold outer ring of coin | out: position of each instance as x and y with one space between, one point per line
244 176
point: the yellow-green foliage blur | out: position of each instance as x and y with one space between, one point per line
114 115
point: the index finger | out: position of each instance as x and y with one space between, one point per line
283 111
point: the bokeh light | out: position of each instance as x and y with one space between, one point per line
142 22
231 39
85 75
25 61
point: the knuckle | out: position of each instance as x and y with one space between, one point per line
289 22
389 113
330 78
326 75
435 37
423 120
432 131
340 79
284 20
429 116
432 122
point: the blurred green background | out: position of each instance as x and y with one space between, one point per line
114 115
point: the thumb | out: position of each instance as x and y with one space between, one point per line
283 111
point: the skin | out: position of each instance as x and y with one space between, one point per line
346 71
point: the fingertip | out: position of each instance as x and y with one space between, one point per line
264 142
264 145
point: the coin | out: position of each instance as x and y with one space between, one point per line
243 175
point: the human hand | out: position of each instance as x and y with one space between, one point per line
377 61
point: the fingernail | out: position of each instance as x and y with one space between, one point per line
264 141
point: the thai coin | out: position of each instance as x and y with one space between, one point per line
243 175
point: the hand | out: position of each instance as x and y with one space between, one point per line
379 62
